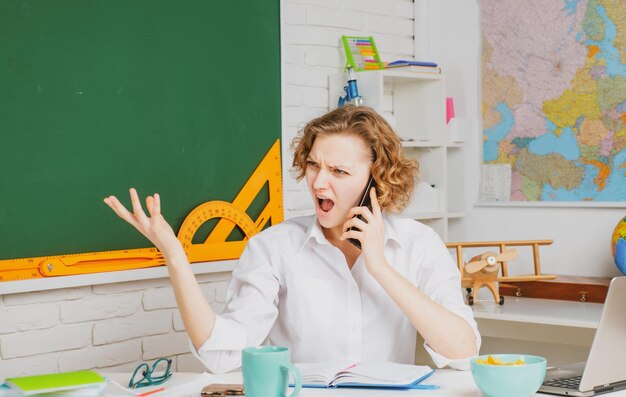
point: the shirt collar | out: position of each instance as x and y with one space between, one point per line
391 231
314 231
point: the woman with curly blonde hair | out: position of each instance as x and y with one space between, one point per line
393 173
302 284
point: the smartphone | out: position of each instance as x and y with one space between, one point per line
365 201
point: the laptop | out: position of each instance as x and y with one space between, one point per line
605 369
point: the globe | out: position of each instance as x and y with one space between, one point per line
619 245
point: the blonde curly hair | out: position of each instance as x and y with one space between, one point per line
392 171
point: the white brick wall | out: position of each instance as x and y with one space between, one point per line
312 50
46 296
28 317
128 351
106 327
114 327
56 339
120 329
99 307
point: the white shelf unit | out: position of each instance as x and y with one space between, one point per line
414 104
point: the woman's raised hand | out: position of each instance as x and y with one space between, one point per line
195 311
155 228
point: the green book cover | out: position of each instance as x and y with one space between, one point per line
54 382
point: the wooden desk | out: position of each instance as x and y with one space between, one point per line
452 383
541 311
561 331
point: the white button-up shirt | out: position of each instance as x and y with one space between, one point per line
293 288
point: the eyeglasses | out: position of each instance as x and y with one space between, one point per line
148 375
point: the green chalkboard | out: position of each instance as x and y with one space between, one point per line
180 97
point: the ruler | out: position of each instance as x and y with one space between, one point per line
215 247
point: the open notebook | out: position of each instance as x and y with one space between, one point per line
375 374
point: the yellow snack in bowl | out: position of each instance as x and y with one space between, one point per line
491 360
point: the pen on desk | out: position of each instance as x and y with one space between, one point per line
151 392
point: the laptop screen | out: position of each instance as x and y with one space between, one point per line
607 357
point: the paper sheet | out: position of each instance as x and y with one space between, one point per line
495 182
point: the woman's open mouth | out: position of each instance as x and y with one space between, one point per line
325 204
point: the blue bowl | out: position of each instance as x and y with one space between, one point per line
509 380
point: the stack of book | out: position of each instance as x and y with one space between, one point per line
413 66
71 384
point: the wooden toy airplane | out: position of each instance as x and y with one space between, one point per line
483 270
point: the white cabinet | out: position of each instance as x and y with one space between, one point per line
415 105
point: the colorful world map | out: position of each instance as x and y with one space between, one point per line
554 97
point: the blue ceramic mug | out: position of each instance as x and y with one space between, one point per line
266 372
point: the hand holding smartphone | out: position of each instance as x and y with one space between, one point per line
365 201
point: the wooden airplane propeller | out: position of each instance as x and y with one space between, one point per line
488 262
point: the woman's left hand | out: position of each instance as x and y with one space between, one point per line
371 233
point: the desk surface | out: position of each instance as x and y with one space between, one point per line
541 311
452 383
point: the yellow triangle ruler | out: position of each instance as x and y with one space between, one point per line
215 247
